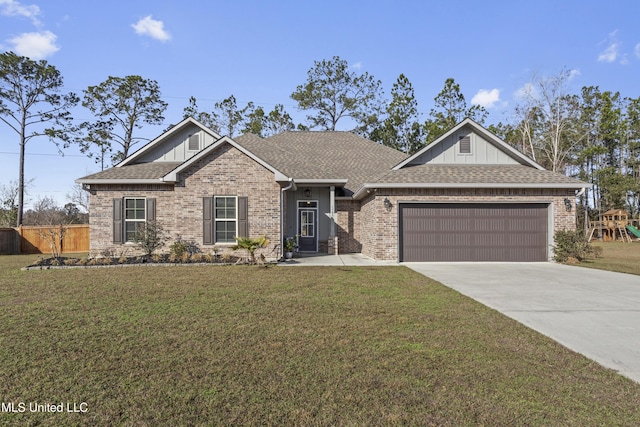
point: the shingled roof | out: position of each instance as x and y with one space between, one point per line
135 172
358 163
477 175
324 155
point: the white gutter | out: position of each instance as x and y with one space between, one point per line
291 185
121 181
367 187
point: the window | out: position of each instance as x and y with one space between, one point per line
134 214
223 218
226 219
307 223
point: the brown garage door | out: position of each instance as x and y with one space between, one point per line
473 232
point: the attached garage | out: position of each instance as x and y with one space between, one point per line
473 232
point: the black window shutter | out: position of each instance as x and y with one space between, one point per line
151 209
207 221
117 221
243 217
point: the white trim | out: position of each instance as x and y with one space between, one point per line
367 187
323 182
216 220
120 181
124 215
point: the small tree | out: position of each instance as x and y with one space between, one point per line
150 236
54 236
251 245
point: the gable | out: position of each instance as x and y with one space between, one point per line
179 146
468 143
464 147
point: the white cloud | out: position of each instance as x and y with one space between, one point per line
528 90
14 8
486 98
638 50
574 73
357 65
148 26
35 45
610 54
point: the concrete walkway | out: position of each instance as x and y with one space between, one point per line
593 312
323 259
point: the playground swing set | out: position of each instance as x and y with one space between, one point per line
615 224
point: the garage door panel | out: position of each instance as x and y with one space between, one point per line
473 232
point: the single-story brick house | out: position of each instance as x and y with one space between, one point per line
468 196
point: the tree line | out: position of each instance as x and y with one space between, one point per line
593 135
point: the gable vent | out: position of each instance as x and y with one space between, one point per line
465 144
194 142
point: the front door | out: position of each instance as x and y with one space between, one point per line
308 226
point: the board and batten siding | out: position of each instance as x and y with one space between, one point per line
180 146
481 152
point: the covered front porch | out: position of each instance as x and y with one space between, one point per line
309 215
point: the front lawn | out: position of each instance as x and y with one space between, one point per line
616 256
239 345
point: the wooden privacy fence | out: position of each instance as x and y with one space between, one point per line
28 240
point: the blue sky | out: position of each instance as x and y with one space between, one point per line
260 51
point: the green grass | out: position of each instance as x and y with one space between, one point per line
213 345
616 256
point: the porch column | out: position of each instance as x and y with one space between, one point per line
332 244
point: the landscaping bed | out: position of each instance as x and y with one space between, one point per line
160 259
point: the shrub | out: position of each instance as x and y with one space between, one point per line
150 236
181 247
251 245
571 244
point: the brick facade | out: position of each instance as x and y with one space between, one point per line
179 208
348 226
377 235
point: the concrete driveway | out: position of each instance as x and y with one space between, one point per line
593 312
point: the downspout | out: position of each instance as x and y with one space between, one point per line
586 211
282 190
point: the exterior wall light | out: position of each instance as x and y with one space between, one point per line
307 192
567 204
387 203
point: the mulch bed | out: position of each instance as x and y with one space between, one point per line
165 259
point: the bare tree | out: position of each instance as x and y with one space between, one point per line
79 197
554 112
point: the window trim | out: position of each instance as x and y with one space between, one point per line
216 220
125 221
